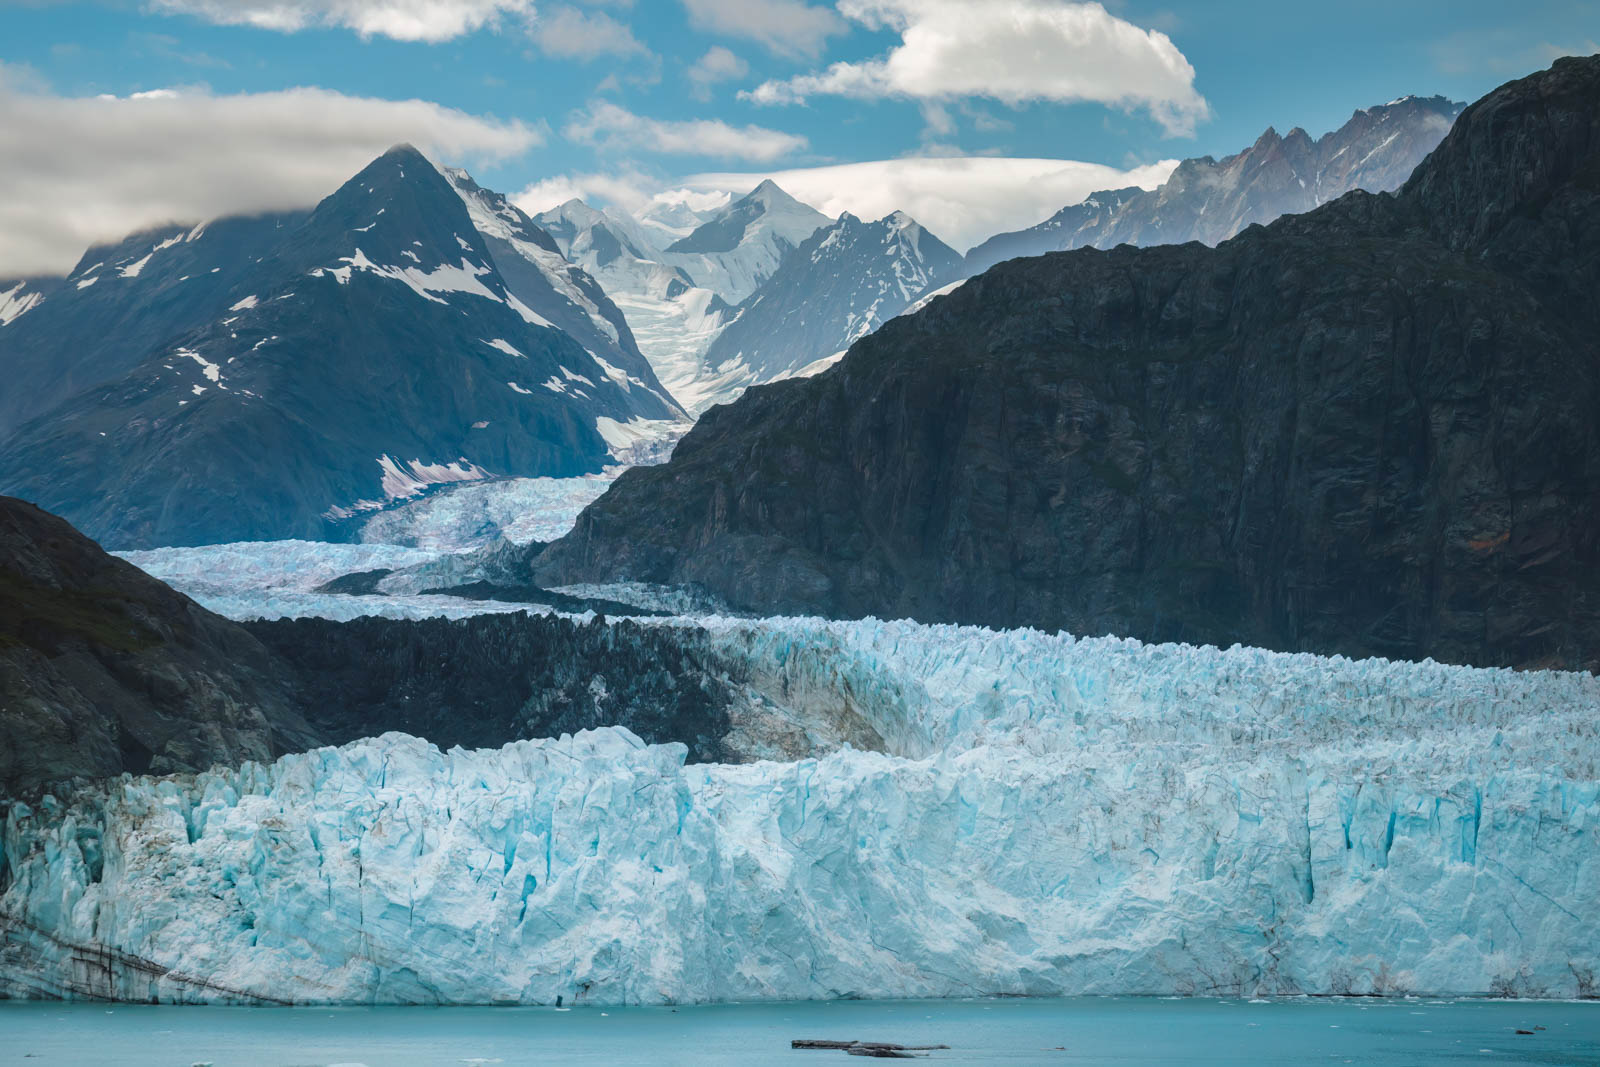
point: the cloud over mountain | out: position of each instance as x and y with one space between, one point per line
188 155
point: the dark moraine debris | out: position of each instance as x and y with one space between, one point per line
533 594
357 583
484 681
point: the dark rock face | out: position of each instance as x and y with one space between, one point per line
327 365
1366 430
103 669
491 679
1209 201
843 282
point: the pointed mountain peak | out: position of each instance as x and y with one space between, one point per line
771 196
1268 138
405 152
793 220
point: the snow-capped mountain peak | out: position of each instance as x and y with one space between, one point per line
839 285
287 373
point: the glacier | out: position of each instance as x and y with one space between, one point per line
278 579
470 516
1019 813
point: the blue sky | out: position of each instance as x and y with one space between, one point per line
613 99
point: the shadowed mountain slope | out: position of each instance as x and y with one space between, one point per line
1367 430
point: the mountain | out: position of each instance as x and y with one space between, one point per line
674 315
842 283
611 247
1365 430
670 217
1209 201
266 378
741 246
103 669
123 300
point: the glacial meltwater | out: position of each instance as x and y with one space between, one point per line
1128 1031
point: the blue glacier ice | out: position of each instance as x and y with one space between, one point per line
1035 815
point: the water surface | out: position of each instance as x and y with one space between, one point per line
1127 1031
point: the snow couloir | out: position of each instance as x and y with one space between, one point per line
1046 816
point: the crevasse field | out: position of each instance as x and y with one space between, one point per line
1046 816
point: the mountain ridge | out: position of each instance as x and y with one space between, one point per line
1359 431
1210 200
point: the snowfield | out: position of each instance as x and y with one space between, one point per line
1044 815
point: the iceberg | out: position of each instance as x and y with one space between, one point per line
1036 814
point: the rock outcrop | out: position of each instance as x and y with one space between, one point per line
103 669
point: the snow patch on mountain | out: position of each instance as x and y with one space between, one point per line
18 300
445 278
502 345
402 480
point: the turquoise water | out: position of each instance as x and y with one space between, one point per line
1123 1031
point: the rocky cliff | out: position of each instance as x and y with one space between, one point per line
1368 430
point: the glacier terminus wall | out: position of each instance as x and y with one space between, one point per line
1041 815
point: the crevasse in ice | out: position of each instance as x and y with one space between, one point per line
1047 815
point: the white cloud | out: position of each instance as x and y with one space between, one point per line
78 170
630 190
571 34
719 64
1013 51
788 27
605 124
404 20
963 200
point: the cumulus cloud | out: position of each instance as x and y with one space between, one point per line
963 199
1013 51
719 64
78 170
569 33
404 20
604 124
630 190
787 27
